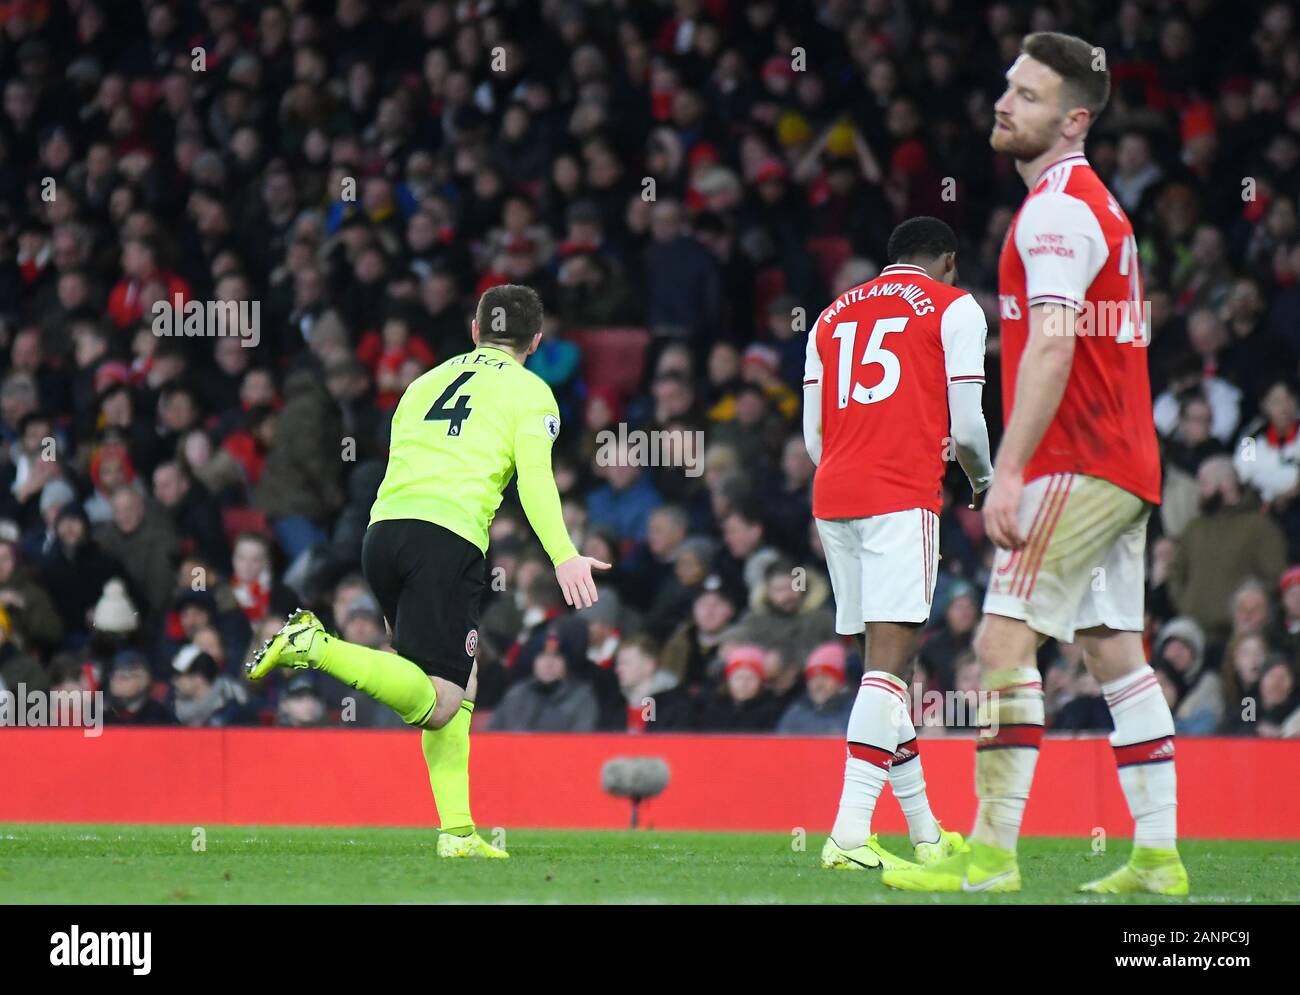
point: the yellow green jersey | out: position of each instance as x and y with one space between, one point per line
459 433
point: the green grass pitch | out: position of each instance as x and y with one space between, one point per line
158 864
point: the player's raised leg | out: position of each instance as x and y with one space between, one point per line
1143 741
387 677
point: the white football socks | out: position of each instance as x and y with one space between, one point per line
908 781
1143 741
875 725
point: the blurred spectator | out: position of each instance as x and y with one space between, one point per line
193 513
129 684
140 537
1198 695
1136 171
745 559
627 498
1243 664
654 702
1187 378
1288 626
1252 609
1269 462
790 508
301 706
30 610
1086 710
741 704
788 612
299 487
194 610
690 568
39 539
1190 445
692 648
1279 702
550 700
252 581
70 679
76 568
823 708
683 279
16 667
604 622
203 696
650 569
941 648
1226 543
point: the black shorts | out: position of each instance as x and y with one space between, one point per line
429 582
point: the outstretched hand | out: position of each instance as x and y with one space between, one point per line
574 575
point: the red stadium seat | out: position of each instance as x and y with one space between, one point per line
612 357
237 520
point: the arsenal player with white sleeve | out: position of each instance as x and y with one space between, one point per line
1077 474
891 364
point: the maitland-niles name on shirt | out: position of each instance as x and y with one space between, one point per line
910 292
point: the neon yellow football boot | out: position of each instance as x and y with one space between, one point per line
292 646
979 868
470 846
946 845
1148 871
869 856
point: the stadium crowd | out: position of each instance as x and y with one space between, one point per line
708 171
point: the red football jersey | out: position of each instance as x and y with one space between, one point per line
1071 243
884 353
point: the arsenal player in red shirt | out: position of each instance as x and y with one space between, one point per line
891 365
1075 479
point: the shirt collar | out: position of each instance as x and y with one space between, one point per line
1073 158
499 349
903 269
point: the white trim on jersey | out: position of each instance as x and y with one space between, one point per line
1062 248
812 360
963 330
812 397
907 269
